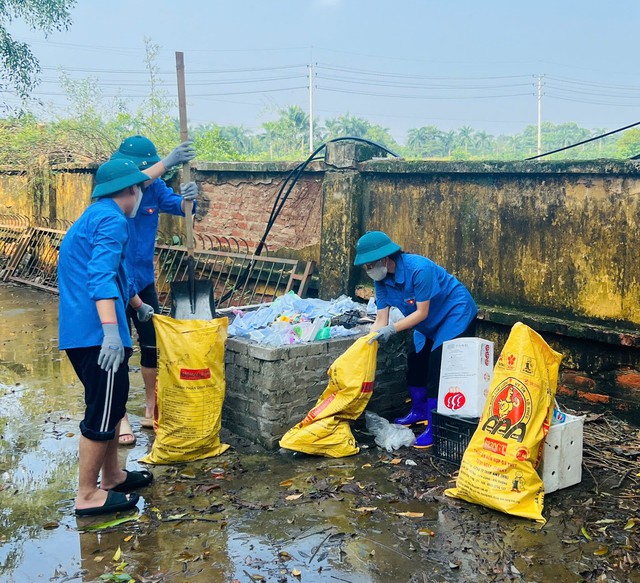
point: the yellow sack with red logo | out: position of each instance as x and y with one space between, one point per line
190 390
325 430
499 466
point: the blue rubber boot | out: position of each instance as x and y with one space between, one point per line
418 411
425 439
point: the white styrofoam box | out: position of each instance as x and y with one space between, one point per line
465 376
561 465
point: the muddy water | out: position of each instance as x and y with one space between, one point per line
248 515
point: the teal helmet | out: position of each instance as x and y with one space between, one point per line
116 175
139 149
373 246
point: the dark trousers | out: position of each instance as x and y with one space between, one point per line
424 367
146 331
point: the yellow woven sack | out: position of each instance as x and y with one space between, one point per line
325 430
190 389
499 466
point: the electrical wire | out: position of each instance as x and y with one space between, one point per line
584 141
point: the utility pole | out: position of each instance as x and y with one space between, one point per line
539 114
310 108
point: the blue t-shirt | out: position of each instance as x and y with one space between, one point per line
90 268
157 198
418 279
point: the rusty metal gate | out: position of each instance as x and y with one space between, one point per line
239 278
12 228
29 255
35 262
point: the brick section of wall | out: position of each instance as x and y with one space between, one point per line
269 390
240 206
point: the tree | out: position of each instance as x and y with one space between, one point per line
20 67
628 144
426 141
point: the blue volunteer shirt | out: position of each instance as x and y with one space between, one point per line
418 279
157 198
90 268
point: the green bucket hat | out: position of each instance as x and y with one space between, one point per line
373 246
116 175
139 149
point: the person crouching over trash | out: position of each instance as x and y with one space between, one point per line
93 331
434 303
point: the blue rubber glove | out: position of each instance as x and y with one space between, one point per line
112 351
185 152
144 312
189 191
383 334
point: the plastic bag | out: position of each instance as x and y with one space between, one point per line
499 466
190 389
389 436
325 430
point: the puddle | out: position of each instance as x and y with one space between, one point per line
337 520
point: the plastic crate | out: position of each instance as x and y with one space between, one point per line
451 436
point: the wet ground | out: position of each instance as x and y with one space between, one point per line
252 515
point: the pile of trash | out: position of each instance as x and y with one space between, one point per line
291 319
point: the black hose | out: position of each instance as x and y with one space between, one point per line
281 198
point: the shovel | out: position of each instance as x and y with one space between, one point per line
191 299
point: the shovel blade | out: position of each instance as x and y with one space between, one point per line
188 304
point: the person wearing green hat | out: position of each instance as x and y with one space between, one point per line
434 304
157 198
94 292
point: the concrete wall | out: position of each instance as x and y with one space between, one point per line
552 244
555 238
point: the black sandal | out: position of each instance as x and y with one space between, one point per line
115 502
134 480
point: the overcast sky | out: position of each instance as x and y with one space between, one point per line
400 64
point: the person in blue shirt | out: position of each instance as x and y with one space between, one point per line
157 198
94 293
434 304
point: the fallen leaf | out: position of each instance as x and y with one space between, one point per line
571 541
296 573
630 523
257 578
454 565
70 434
601 551
294 497
117 522
99 559
366 509
50 525
410 463
117 555
584 532
176 516
188 473
395 461
285 556
372 552
606 521
410 514
366 466
128 538
286 483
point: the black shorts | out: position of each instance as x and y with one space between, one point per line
423 368
105 394
146 331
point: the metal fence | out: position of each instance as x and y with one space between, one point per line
29 254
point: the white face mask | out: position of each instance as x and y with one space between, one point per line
378 272
133 212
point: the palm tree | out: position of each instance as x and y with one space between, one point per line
465 135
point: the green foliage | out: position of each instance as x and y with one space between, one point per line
629 144
20 68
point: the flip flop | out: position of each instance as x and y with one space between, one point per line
125 431
146 422
115 502
134 480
